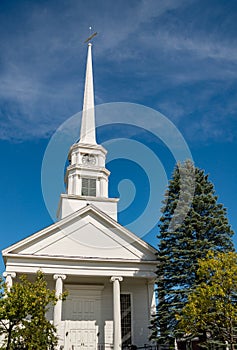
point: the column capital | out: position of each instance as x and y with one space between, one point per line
11 274
116 278
57 276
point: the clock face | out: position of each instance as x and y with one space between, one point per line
89 159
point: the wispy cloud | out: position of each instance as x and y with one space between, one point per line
159 53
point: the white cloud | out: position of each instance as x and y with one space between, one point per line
42 60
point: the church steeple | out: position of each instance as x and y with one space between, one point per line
88 113
86 177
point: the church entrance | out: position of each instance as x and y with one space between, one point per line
81 335
82 314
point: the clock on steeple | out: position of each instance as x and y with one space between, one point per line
89 159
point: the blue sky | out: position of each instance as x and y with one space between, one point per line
178 57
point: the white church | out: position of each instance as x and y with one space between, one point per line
108 271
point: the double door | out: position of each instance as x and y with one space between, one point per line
82 313
82 337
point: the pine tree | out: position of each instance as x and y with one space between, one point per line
192 223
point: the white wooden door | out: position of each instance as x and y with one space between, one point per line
81 335
81 314
83 339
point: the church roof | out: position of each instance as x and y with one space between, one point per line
85 234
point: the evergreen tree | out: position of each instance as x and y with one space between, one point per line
192 223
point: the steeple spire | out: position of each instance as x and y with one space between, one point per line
87 135
86 177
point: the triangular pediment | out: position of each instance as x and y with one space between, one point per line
89 234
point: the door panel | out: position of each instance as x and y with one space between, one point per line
82 309
82 339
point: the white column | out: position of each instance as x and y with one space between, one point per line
58 291
151 297
104 187
98 189
77 185
73 158
117 312
9 276
69 186
74 179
